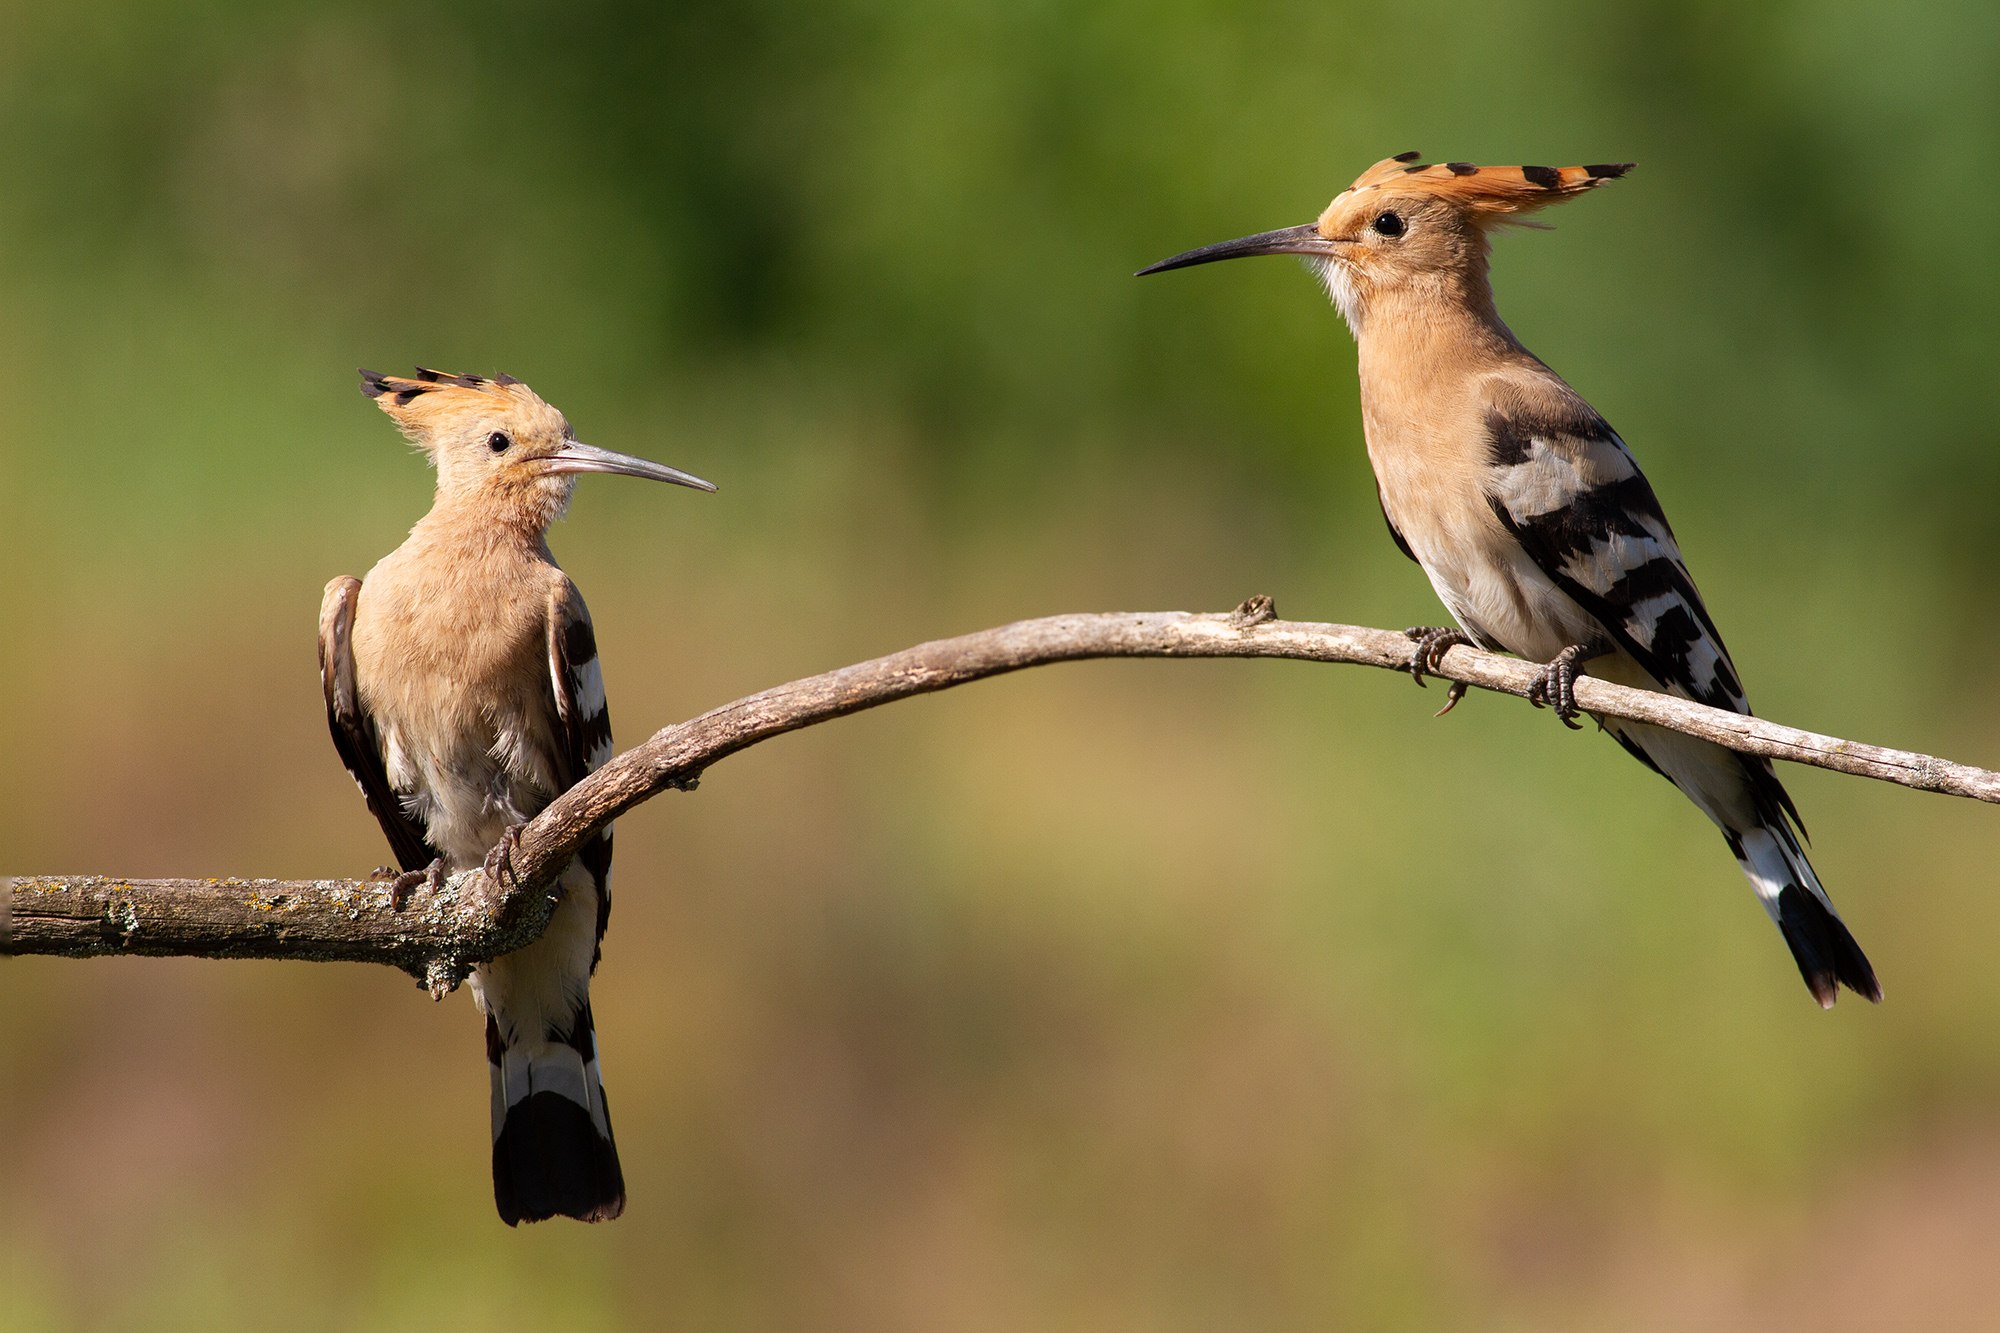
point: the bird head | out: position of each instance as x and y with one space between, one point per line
496 444
1403 222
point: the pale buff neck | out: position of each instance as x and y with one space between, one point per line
1434 327
473 526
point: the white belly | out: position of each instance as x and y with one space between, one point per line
1497 593
465 790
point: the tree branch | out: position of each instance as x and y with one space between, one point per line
438 936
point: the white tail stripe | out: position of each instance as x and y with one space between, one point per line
1768 868
553 1068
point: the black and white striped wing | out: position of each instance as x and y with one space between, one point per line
583 732
583 721
354 733
1572 495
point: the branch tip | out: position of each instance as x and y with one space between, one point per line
441 977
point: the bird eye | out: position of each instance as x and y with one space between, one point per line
498 442
1388 224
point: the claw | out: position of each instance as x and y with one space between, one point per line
499 864
431 876
1554 685
1451 698
1432 643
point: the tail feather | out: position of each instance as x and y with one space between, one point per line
1826 952
553 1153
1757 818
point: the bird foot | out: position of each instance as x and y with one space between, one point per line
431 877
1432 643
1554 685
499 865
381 873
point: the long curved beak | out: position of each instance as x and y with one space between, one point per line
1301 240
574 457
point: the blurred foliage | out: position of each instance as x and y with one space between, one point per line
1151 996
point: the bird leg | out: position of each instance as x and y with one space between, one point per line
499 866
1432 643
1554 685
431 877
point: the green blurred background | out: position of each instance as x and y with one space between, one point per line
1178 996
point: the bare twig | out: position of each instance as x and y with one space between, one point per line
439 935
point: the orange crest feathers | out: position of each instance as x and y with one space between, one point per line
1493 190
433 397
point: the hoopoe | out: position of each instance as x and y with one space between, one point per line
1527 511
464 694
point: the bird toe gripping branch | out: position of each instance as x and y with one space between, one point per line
1555 683
1433 642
